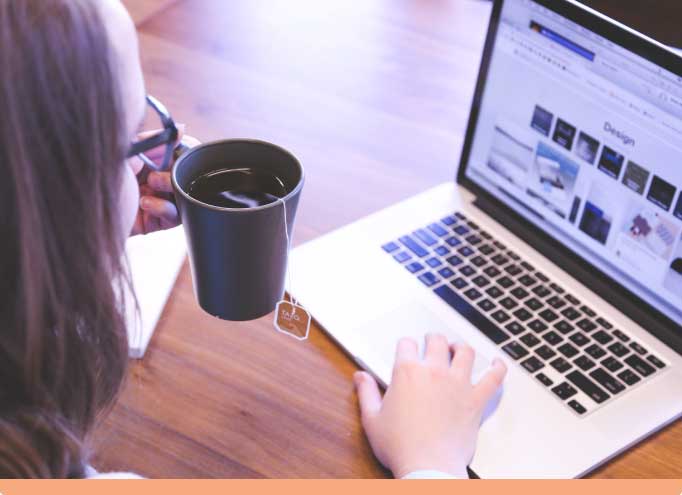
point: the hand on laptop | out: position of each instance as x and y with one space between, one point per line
430 415
157 209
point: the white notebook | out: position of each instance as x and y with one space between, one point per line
155 261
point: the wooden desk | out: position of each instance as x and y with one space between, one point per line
373 97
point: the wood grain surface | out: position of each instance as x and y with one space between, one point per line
373 97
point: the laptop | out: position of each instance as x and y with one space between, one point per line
558 247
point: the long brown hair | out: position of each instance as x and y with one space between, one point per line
62 146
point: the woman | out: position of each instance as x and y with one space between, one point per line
72 100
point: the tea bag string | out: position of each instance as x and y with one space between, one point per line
292 300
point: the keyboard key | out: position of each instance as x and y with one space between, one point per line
442 251
523 314
577 406
628 377
638 348
434 262
508 303
588 311
473 225
519 293
455 260
564 391
545 352
533 364
453 241
478 261
474 239
556 302
527 280
602 337
530 340
655 361
462 230
604 323
465 251
618 349
413 246
513 255
467 271
486 305
533 304
579 339
621 336
557 288
460 283
438 230
500 316
639 365
402 257
449 221
573 300
561 365
541 291
586 325
428 279
527 266
494 292
541 277
612 364
486 249
595 351
499 245
485 235
537 326
513 270
505 282
564 327
446 272
515 350
570 313
390 247
480 281
473 294
425 237
567 350
492 272
490 330
584 363
499 259
460 215
544 379
414 267
587 386
604 378
514 328
548 315
553 338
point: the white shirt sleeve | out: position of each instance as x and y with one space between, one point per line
430 474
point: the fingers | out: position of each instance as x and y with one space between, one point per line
437 349
368 395
159 208
491 382
406 350
160 182
463 360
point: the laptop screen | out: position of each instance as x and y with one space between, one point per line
584 139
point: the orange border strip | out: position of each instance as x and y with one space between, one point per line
341 487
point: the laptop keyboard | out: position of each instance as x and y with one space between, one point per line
573 352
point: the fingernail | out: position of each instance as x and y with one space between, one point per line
358 376
144 203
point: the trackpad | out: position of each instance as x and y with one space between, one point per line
380 337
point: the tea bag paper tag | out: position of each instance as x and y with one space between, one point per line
292 319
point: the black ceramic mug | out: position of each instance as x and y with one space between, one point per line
238 255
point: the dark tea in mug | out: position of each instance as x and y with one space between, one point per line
237 188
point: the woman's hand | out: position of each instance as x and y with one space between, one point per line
430 415
157 209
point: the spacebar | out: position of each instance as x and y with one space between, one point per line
492 331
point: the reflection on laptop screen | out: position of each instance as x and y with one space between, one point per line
584 138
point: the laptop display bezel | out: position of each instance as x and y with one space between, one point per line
650 318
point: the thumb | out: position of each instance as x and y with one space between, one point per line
368 395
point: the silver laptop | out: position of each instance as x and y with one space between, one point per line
559 247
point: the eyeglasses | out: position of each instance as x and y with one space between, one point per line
167 136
